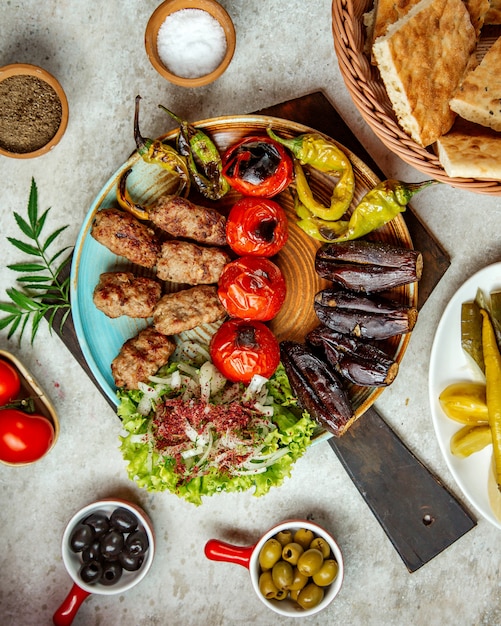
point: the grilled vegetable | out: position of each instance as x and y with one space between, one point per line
368 266
359 315
318 390
159 153
359 362
202 157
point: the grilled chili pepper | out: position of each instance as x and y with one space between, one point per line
380 205
314 150
258 166
155 151
126 202
203 158
314 226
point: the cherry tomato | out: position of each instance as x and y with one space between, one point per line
10 384
257 226
258 166
240 349
24 437
252 288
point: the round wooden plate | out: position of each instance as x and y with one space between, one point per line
101 338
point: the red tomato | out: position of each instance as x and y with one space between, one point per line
257 226
24 437
10 385
258 166
252 288
240 349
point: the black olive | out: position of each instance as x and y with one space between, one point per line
111 574
136 543
91 572
130 562
92 553
81 537
99 522
111 544
124 520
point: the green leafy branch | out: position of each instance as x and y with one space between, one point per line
45 290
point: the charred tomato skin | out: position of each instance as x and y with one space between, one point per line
252 288
240 349
24 437
257 226
257 166
10 383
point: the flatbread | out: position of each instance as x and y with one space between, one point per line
470 151
493 15
478 99
422 59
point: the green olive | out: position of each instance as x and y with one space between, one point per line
299 581
326 574
270 553
282 574
304 537
291 552
321 544
284 537
266 585
310 562
310 596
281 594
294 594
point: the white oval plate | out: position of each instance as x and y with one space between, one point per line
450 364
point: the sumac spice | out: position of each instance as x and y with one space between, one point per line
30 113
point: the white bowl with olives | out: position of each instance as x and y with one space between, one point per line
296 568
107 548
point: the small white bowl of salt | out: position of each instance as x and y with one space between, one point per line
190 42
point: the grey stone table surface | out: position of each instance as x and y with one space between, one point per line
284 50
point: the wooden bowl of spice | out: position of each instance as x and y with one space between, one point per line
190 42
33 111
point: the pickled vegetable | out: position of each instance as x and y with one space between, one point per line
465 402
270 554
470 439
310 562
471 332
282 574
310 596
266 585
327 573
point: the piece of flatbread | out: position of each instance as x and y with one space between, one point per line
470 151
478 99
422 59
493 15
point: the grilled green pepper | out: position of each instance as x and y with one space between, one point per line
203 158
379 206
314 150
314 226
159 153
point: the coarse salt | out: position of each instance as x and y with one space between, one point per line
191 43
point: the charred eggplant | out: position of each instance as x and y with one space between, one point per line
368 266
363 315
358 361
317 388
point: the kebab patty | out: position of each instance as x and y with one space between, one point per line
181 218
186 262
141 357
125 236
186 309
123 293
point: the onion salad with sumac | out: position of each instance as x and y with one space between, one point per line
194 433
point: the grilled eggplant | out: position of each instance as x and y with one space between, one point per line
358 361
363 315
317 388
368 266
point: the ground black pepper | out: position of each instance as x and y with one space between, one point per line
30 113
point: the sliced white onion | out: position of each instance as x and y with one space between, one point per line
256 384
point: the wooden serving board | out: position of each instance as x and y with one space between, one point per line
419 515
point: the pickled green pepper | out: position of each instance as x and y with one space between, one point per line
314 150
159 153
203 158
379 206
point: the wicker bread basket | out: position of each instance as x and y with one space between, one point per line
369 95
